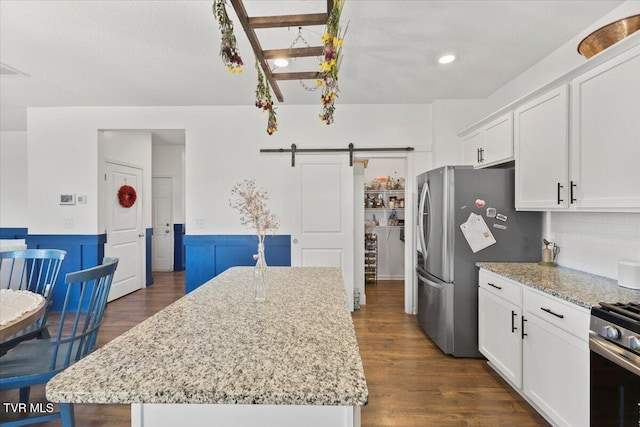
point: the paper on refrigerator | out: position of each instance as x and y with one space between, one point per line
477 233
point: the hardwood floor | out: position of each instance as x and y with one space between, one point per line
411 383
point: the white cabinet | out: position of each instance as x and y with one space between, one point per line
498 141
605 142
491 144
596 168
556 359
539 344
499 321
541 140
471 144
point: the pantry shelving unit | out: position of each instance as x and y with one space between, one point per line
386 207
371 258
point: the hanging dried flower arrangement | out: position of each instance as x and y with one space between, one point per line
228 47
328 77
264 102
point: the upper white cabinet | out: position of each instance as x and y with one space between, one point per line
605 135
471 147
578 147
541 140
575 140
490 145
498 141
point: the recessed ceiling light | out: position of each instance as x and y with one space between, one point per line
281 62
447 58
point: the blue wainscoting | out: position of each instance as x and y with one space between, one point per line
178 247
209 255
13 233
147 262
83 251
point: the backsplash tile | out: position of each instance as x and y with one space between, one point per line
595 242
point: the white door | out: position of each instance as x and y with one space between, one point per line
323 237
125 232
162 240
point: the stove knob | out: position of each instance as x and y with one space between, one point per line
634 343
611 332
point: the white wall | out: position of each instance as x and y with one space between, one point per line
221 149
13 179
450 116
168 161
595 242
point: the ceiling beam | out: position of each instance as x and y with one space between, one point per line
250 24
257 49
297 52
302 75
305 20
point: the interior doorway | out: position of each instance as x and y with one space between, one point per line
382 213
162 243
158 154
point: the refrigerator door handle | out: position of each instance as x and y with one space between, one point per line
421 214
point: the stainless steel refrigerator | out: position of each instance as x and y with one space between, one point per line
482 200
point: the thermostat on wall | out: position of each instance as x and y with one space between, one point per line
67 199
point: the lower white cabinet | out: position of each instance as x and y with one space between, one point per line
556 372
499 342
539 344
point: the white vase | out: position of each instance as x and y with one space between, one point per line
260 275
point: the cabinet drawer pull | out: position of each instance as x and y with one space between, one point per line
560 186
495 286
522 328
573 185
513 323
561 316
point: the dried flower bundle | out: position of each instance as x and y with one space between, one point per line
251 202
228 47
332 41
264 101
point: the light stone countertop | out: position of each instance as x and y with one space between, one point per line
578 287
217 345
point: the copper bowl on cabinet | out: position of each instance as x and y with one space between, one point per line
608 35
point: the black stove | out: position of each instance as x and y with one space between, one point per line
618 323
614 342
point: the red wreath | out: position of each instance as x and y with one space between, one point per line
127 196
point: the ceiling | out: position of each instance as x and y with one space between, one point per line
165 53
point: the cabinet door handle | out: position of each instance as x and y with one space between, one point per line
477 155
561 316
513 322
522 328
482 155
573 185
560 187
495 286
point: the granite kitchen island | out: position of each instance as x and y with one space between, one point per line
216 357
